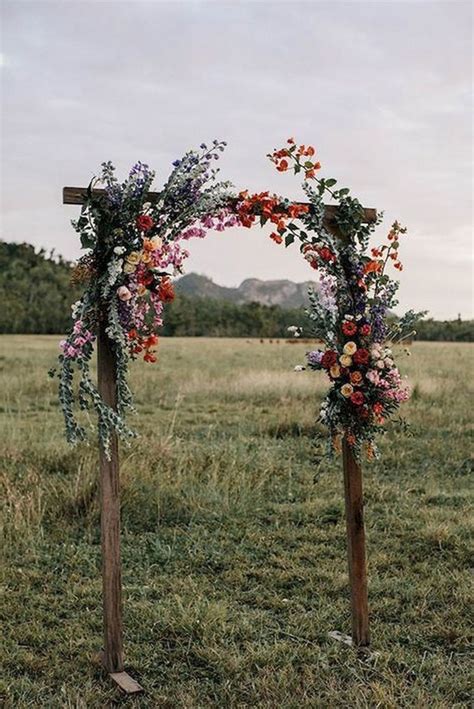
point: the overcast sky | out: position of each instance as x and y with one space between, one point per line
382 89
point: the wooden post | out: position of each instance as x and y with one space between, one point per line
356 546
112 655
110 514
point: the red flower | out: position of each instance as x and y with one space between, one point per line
363 412
357 398
145 278
365 330
149 357
326 254
282 166
166 291
377 408
361 356
328 359
349 328
277 238
144 222
151 341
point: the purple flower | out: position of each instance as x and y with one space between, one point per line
314 358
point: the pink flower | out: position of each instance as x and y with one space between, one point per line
373 376
123 293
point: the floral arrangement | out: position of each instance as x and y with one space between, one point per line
133 246
350 312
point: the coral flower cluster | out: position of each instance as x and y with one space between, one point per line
350 312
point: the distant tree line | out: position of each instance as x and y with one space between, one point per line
36 296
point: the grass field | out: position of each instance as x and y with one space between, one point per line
234 538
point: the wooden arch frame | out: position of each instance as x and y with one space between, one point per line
112 656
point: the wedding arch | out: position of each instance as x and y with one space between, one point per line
134 241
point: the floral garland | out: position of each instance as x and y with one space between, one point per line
133 248
350 313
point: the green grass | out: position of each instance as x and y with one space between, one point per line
234 538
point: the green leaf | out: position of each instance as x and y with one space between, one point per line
342 192
87 240
289 239
331 182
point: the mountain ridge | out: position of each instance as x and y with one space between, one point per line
282 292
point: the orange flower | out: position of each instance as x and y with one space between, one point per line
166 291
356 378
277 238
283 166
373 266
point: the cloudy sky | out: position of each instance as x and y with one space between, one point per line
382 89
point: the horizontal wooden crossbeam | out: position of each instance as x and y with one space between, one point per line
78 195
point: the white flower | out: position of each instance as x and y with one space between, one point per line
299 368
348 317
295 330
75 309
380 364
388 362
119 250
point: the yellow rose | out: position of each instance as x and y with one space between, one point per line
141 290
335 371
129 267
345 360
134 258
350 348
347 390
146 258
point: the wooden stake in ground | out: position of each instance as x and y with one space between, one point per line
110 514
356 546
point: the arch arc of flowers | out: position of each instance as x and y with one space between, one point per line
134 248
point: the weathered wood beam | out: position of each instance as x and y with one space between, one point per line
77 195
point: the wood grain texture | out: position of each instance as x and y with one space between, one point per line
110 515
126 683
77 195
356 546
